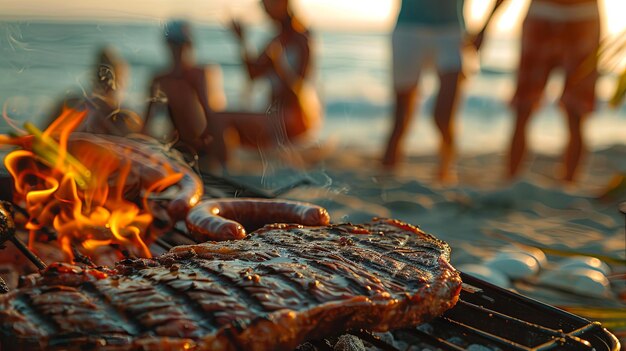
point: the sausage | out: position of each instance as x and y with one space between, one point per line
151 161
190 186
228 219
191 189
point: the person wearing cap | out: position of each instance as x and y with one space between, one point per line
195 100
191 94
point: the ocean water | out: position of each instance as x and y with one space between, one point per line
41 62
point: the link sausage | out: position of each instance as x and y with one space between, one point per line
151 162
228 219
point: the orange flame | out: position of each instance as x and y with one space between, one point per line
78 188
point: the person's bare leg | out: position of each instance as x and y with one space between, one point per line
518 141
260 131
575 146
445 107
217 148
403 111
254 129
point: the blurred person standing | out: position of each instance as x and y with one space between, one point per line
427 32
561 34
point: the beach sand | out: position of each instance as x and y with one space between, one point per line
481 214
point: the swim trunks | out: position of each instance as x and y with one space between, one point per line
426 32
565 37
414 47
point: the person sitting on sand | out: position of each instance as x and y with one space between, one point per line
191 93
195 102
105 114
294 110
427 31
557 34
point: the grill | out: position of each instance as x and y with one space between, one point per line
499 319
486 317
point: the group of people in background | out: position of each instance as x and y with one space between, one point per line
192 97
556 34
195 102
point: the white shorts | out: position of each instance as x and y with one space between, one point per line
416 46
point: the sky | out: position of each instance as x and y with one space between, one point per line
330 14
373 15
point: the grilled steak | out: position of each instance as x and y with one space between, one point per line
281 286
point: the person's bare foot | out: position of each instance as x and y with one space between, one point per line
613 189
447 177
389 163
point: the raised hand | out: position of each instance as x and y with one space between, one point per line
477 40
237 29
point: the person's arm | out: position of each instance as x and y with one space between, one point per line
199 77
255 66
478 39
155 99
213 133
214 84
292 77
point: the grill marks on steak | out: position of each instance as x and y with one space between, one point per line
278 287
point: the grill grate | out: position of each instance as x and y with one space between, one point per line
500 319
485 317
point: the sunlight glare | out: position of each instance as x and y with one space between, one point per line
361 14
369 15
614 11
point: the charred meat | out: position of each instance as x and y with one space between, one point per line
273 290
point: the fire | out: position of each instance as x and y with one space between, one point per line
79 188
